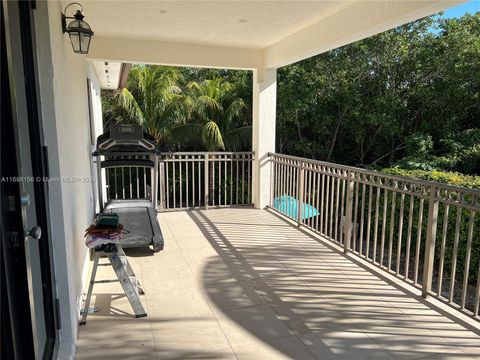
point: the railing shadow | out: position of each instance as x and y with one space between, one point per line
386 279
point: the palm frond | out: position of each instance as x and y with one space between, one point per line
128 103
239 139
212 137
187 134
234 110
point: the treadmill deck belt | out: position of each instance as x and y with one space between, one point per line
140 223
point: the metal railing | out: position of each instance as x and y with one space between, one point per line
128 182
425 233
205 179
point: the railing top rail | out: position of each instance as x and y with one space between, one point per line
182 153
439 186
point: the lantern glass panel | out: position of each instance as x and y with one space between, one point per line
75 39
84 42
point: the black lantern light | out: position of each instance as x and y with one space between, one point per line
79 31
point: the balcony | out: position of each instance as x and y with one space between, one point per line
338 266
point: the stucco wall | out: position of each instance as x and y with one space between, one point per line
64 105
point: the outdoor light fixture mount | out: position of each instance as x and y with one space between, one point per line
78 30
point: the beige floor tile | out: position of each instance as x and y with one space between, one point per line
284 348
343 343
245 284
245 326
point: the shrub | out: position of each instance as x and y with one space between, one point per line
445 177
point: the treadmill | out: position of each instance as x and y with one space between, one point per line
123 150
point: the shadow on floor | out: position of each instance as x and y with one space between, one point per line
276 281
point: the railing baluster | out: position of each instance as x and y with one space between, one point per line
107 183
477 294
236 187
281 189
375 229
162 185
144 182
174 186
355 218
300 191
317 204
249 183
180 182
138 184
309 204
384 225
468 252
419 239
392 225
193 181
369 222
342 214
362 218
187 192
332 201
327 202
123 183
348 213
322 202
287 183
231 180
116 186
219 181
455 253
225 183
430 242
290 197
409 236
400 232
206 180
199 181
130 181
243 181
292 176
337 204
211 167
442 249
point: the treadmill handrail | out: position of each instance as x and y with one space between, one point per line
99 152
106 164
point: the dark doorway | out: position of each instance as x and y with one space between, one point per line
27 298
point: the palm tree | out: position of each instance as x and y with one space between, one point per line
214 116
153 98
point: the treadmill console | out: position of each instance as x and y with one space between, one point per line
125 137
127 133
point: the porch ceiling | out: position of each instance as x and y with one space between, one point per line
248 24
240 34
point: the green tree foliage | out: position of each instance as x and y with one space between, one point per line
211 113
153 98
411 94
214 110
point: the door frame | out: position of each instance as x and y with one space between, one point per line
39 163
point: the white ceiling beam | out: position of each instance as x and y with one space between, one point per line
174 54
355 22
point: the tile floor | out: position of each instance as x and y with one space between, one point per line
241 283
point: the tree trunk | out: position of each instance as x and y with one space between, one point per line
335 134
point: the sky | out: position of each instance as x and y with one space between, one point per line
471 7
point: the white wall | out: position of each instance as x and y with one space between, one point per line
64 105
263 134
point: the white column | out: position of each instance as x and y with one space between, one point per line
263 134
